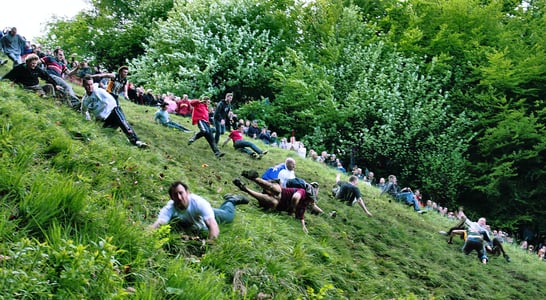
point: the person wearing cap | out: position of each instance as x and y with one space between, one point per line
162 117
103 106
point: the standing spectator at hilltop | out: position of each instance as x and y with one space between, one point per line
184 108
13 45
221 116
200 117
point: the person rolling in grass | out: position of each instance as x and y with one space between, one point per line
194 213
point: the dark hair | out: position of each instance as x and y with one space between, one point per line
86 78
123 68
173 187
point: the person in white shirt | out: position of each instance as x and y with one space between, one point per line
103 107
195 213
288 172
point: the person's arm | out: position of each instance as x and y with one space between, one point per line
226 141
361 203
156 224
304 227
338 177
214 230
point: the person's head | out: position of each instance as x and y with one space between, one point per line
371 175
255 123
392 178
87 83
32 61
164 105
241 127
205 99
290 164
229 97
123 71
179 193
13 31
417 192
382 180
482 221
59 54
429 203
185 97
353 179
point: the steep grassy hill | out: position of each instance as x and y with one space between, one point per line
76 200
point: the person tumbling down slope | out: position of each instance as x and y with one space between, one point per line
275 197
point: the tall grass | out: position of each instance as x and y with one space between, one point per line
76 200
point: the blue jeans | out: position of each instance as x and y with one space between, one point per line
175 125
226 213
242 144
409 199
220 129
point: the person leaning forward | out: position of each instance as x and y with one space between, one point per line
195 213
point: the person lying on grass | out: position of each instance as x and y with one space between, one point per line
292 200
194 213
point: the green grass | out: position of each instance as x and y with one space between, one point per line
76 200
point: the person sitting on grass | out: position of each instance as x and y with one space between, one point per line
162 116
28 76
405 194
103 106
292 200
194 213
239 143
349 192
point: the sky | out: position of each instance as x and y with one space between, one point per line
30 16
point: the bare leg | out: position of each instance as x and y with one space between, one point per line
264 200
455 232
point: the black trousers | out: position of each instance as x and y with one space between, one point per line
117 119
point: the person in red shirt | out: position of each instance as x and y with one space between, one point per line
184 108
200 117
238 143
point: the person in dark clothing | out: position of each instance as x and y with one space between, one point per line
349 192
28 76
221 116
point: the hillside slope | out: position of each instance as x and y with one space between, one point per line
76 200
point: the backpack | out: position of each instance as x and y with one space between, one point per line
311 189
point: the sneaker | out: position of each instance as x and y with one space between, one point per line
507 258
254 155
141 144
250 174
442 232
238 183
191 140
236 199
219 154
265 152
421 211
3 62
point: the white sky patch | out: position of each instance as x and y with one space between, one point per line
30 16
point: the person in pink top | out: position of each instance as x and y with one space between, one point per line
238 143
200 117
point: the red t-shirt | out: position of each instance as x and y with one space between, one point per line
236 135
200 112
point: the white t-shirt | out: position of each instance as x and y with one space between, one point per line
100 103
284 175
199 210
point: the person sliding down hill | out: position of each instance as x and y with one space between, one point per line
195 213
162 116
349 192
103 106
291 200
242 145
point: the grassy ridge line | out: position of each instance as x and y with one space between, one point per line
64 179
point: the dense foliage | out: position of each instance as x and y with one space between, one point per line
449 95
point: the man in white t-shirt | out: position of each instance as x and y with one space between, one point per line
288 172
196 213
